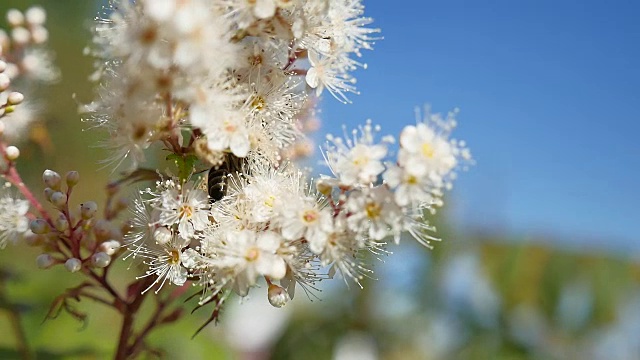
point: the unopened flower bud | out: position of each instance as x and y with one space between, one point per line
100 260
45 261
61 223
162 235
52 179
72 178
102 229
39 226
15 17
20 35
278 296
12 153
35 15
39 34
324 188
15 98
58 199
3 65
88 210
110 247
48 192
4 80
73 265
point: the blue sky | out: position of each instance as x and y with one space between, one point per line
549 94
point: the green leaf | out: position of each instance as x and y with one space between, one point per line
185 164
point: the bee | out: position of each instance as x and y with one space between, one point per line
217 181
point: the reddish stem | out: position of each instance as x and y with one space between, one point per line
14 178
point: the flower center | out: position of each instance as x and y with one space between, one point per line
258 103
255 60
149 35
333 239
310 216
186 211
229 127
412 180
270 201
427 150
252 254
174 257
373 210
360 160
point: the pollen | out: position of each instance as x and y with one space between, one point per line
427 150
252 254
255 60
186 211
258 103
270 201
310 216
360 160
174 257
229 127
373 210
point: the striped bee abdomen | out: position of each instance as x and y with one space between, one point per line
218 178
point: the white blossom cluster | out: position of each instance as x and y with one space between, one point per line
230 81
14 223
228 73
24 62
272 224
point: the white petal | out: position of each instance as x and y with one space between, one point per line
409 138
217 143
159 9
177 275
268 241
312 78
240 145
317 246
264 9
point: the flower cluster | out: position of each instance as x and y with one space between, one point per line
25 63
231 81
14 223
229 74
272 224
229 86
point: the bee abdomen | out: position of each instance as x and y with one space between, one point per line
217 183
218 179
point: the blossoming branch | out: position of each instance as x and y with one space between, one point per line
225 90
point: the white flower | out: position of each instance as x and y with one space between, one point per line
248 255
14 223
245 12
187 206
325 73
306 219
423 151
142 223
229 131
267 193
374 213
427 153
410 188
165 261
357 161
